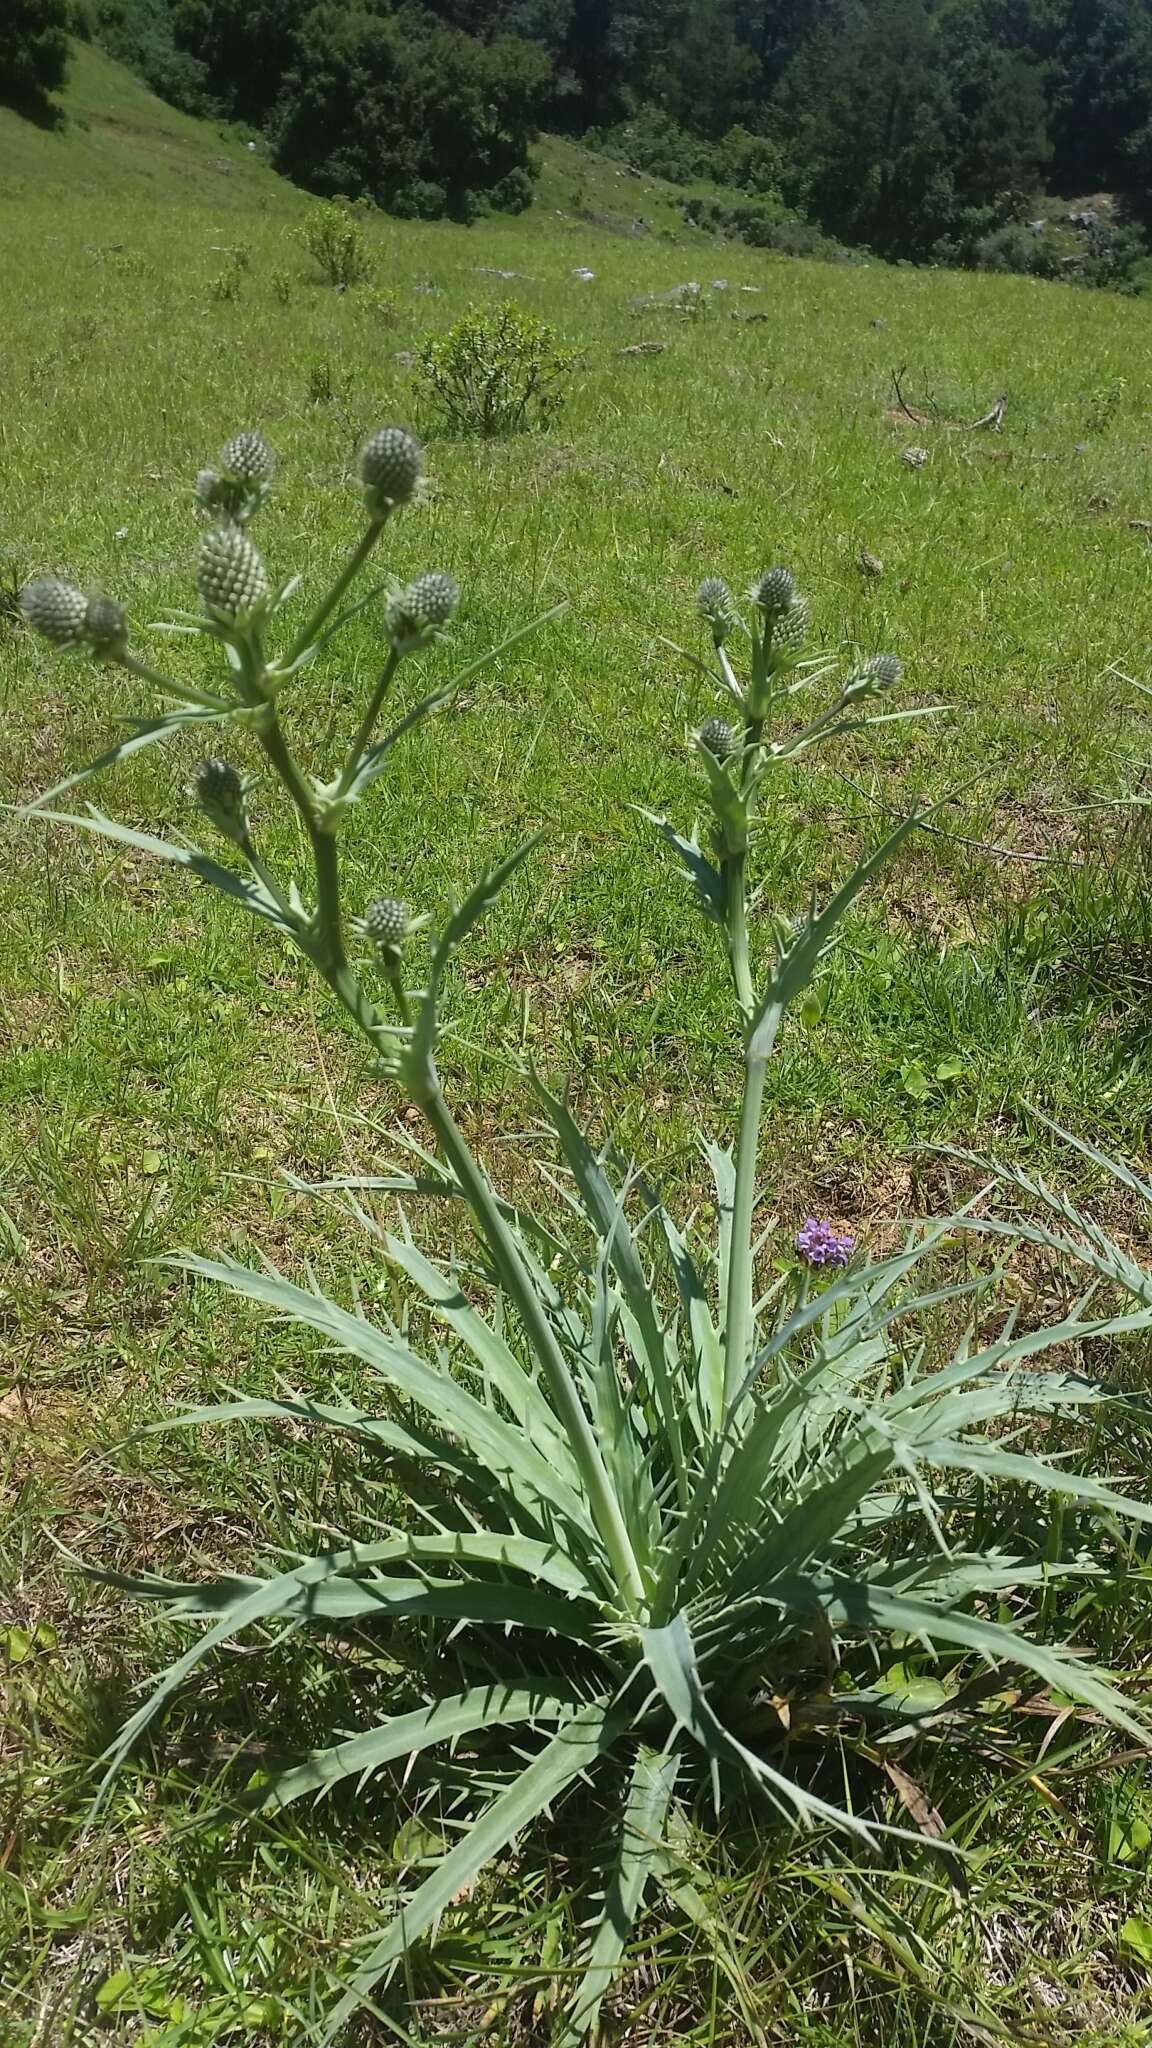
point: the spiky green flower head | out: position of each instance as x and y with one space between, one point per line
884 671
386 924
721 739
54 609
717 607
789 630
874 678
221 793
66 617
418 613
248 458
230 577
239 485
105 626
391 470
775 591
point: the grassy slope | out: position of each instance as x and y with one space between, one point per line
158 1073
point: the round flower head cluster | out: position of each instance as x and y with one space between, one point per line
718 607
55 609
385 923
414 615
775 591
721 739
220 791
879 674
66 617
820 1245
391 470
239 486
248 458
230 576
790 629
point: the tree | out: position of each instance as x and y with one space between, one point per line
400 110
33 52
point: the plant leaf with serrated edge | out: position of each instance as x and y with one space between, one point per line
588 1735
671 1658
640 1845
147 734
698 869
451 1406
251 894
402 1735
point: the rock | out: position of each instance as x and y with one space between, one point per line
868 563
720 284
643 348
583 273
878 322
487 270
913 458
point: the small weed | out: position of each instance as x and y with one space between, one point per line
281 286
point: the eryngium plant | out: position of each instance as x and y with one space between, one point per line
676 1526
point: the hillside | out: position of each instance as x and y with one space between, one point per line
728 409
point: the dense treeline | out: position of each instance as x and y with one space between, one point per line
920 128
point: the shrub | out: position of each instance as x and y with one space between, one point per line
499 372
513 193
690 1519
336 242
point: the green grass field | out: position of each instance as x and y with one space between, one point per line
163 1064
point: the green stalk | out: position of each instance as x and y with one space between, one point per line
509 1265
737 927
368 723
738 1309
351 569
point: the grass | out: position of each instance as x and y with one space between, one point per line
163 1065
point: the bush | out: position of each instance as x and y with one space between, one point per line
692 1515
335 240
498 372
33 51
513 193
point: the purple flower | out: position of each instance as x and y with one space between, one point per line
823 1246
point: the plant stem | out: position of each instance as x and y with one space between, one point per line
368 722
352 568
738 1309
514 1277
737 929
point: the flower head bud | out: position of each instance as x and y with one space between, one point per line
884 671
717 606
248 458
105 626
220 790
790 629
391 470
721 739
416 614
230 576
385 923
775 591
879 674
57 610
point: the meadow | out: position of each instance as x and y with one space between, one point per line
157 1078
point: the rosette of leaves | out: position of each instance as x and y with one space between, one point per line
676 1520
